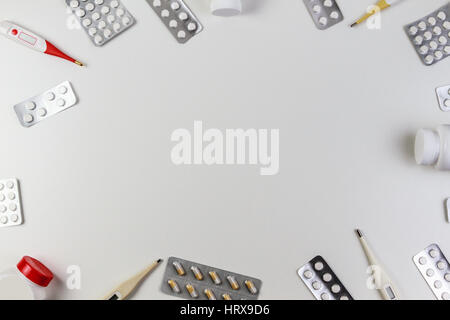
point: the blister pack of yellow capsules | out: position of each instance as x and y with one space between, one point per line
189 280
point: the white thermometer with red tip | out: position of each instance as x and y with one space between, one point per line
32 40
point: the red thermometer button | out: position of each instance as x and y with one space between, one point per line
14 32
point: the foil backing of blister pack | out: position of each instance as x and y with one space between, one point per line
430 35
208 283
325 13
103 20
178 18
443 95
47 104
322 281
435 269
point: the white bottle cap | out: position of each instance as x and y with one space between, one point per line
427 147
226 8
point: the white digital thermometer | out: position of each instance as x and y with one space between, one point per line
32 40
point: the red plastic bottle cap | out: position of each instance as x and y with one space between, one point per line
35 271
14 32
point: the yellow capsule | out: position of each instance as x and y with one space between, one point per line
251 287
174 286
197 273
215 277
226 296
190 288
233 283
209 294
179 268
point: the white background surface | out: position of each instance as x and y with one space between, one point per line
99 189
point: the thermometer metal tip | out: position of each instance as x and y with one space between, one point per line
79 63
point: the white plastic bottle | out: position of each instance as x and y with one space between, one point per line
26 281
432 147
226 8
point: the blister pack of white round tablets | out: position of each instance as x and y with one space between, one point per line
178 18
325 13
322 281
430 35
10 203
435 269
102 20
42 106
443 95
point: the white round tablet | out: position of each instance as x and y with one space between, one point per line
90 6
99 2
335 288
42 112
80 13
308 274
441 265
30 105
192 26
437 284
445 296
11 196
102 24
28 118
114 4
116 26
107 33
12 207
318 266
10 184
111 18
92 31
4 220
430 272
447 277
120 12
126 21
98 39
74 4
183 16
433 253
62 90
327 277
344 298
325 296
50 96
316 285
173 23
61 102
2 209
96 16
175 6
105 10
14 218
87 22
422 260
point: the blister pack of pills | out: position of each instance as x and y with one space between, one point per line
325 13
40 107
434 267
430 35
10 203
190 280
322 281
102 20
443 95
178 18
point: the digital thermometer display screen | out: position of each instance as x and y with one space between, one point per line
27 38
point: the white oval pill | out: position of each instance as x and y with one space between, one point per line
183 16
175 6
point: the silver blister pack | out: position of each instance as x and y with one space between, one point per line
443 95
325 13
102 20
10 203
322 281
178 18
190 280
434 267
430 35
40 107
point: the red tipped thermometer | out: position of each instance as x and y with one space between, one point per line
32 41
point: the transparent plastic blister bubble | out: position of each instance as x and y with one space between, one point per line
443 95
430 35
190 280
102 20
435 269
178 18
10 203
322 281
47 104
325 13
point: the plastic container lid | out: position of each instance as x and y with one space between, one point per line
35 271
226 8
427 147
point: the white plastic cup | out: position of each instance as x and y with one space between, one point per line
226 8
